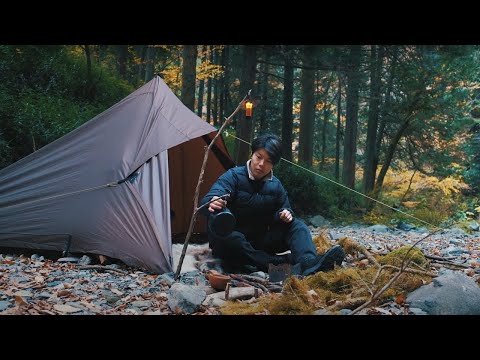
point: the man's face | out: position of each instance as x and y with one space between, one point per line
261 164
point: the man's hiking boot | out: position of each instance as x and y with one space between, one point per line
324 262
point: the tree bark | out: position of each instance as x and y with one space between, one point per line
122 56
350 147
338 135
244 126
262 111
307 110
369 169
215 91
189 71
201 85
209 89
150 63
287 118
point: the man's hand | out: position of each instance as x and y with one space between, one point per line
286 216
217 204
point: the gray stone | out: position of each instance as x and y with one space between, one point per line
474 226
185 298
215 299
85 260
417 311
168 278
406 227
4 305
345 312
452 293
378 228
68 259
319 221
141 304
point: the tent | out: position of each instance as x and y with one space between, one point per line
110 186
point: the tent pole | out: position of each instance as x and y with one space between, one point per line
200 180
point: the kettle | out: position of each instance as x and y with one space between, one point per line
223 222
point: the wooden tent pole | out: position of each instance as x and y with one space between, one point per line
197 190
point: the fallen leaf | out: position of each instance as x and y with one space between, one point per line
67 309
116 291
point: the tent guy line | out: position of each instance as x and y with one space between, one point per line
345 187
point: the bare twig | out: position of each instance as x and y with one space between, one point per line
102 268
403 266
369 256
197 190
432 257
412 271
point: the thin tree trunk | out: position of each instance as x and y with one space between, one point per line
122 56
323 135
89 61
102 53
307 109
244 126
150 63
369 169
221 104
215 92
201 85
287 123
386 107
189 71
350 147
389 155
264 93
209 89
338 134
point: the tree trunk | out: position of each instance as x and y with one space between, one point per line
389 155
209 90
244 126
338 135
215 92
287 123
324 125
189 72
369 169
201 85
88 55
122 56
350 147
102 53
150 63
385 108
307 109
221 103
262 113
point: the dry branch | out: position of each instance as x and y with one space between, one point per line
102 268
197 189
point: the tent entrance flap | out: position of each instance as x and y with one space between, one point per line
185 162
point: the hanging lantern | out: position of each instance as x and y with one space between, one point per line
248 104
248 108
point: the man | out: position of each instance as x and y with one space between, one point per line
265 224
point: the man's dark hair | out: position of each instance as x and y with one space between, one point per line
272 145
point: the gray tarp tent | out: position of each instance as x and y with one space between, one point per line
105 188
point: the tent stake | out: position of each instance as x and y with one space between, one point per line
197 190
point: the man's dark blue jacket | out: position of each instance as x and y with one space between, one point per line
255 204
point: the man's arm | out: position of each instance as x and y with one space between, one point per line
285 212
225 184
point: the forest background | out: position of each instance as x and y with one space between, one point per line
398 123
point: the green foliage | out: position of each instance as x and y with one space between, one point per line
472 175
310 194
46 92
